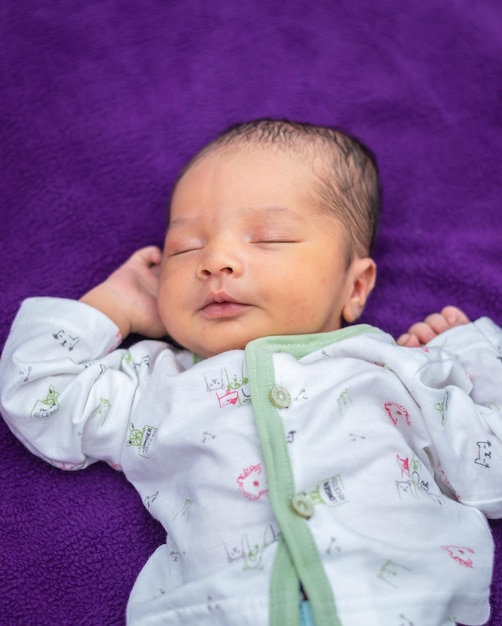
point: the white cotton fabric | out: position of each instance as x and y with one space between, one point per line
399 451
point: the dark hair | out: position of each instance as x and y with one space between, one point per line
349 184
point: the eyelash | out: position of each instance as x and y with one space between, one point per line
275 241
185 251
271 241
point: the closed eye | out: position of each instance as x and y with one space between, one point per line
183 251
269 242
274 237
179 248
271 235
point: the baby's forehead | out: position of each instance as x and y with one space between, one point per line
299 148
310 164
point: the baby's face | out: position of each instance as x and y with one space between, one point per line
248 254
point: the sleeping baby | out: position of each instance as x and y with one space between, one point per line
307 470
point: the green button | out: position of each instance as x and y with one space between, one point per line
279 397
302 505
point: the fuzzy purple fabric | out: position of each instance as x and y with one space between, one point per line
101 104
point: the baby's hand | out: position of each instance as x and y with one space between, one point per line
129 295
422 332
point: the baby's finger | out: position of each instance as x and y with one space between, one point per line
437 323
408 341
454 316
150 255
423 332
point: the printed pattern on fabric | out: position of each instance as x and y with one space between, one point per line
414 436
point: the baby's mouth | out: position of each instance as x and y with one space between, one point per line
221 306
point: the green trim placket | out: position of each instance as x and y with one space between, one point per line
297 559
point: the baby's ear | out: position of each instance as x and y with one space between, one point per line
362 277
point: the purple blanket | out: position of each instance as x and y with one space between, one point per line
100 106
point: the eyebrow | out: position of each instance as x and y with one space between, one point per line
264 211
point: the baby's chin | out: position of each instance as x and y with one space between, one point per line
206 352
222 344
214 348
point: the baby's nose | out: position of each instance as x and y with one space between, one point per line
221 258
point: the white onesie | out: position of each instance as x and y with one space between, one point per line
339 462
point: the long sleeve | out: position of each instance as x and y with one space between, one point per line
459 390
478 348
65 390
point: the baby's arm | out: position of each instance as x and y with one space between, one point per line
458 389
422 332
65 389
129 295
